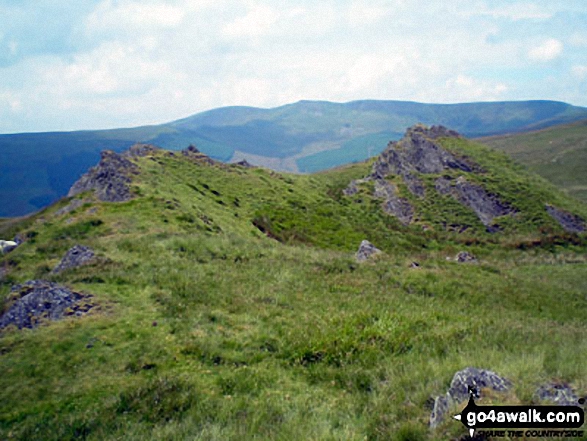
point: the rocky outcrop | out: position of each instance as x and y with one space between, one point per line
78 255
558 393
486 206
366 250
110 179
196 156
38 300
244 163
462 382
392 204
418 152
571 223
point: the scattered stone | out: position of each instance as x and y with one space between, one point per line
486 206
476 379
366 250
110 179
37 300
571 223
557 393
465 256
414 265
78 255
6 246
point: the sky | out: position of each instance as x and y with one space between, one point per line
97 64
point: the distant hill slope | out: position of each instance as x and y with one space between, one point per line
558 154
307 136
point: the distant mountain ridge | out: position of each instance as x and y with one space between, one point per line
307 136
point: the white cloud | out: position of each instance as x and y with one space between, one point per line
578 40
547 51
466 88
515 11
133 15
258 21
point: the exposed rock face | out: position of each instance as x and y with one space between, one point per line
76 256
557 393
418 152
392 204
469 377
486 206
110 179
366 250
570 222
74 204
37 300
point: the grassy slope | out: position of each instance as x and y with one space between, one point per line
261 339
559 154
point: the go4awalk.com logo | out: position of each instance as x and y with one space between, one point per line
518 421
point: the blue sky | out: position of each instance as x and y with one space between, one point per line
75 64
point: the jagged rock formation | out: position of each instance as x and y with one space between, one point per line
366 250
571 223
469 377
486 206
78 255
110 179
419 153
38 300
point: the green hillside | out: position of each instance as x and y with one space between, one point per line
558 154
227 304
307 136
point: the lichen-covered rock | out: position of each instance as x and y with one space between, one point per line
110 179
557 393
470 377
570 222
38 300
486 206
351 189
366 250
465 257
76 256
